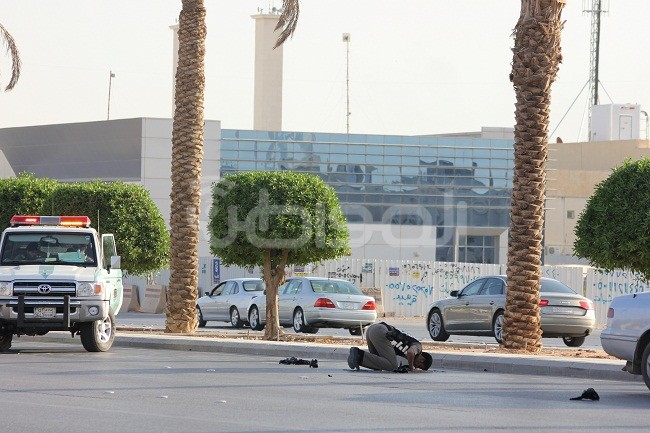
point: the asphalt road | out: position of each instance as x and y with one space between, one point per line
58 387
413 326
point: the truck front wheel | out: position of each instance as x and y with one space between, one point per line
5 342
98 336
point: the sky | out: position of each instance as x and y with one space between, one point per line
415 67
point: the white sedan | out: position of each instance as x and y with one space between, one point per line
627 335
310 303
227 300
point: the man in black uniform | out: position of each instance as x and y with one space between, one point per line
385 344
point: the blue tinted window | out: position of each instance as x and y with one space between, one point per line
375 139
228 154
411 140
229 145
322 148
393 150
411 150
247 165
339 148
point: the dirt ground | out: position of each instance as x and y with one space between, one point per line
428 346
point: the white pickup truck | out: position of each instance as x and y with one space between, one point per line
627 335
58 273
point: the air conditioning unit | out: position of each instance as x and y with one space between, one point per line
552 250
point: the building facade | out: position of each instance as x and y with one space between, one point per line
443 198
434 197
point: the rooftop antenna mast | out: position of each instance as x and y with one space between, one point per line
595 10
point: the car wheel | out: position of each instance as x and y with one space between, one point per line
235 320
254 319
202 322
645 365
298 320
299 323
573 341
98 336
5 342
497 327
436 326
356 330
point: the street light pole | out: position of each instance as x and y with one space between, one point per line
111 75
346 39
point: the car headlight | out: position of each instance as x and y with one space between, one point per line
6 288
90 289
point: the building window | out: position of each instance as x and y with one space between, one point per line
477 249
570 214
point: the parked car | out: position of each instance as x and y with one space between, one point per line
627 335
310 303
478 309
227 300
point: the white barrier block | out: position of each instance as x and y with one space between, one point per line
130 299
155 298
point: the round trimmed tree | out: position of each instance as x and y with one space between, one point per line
613 232
272 219
126 210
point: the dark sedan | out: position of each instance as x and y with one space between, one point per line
478 309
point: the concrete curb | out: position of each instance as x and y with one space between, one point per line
586 368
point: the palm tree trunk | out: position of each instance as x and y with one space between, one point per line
187 156
536 58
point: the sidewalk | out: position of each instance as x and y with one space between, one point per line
447 357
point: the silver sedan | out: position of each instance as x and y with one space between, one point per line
227 300
478 310
310 303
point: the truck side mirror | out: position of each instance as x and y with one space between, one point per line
116 262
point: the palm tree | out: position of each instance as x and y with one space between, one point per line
288 20
536 59
187 156
12 50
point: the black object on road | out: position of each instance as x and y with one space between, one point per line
588 394
298 361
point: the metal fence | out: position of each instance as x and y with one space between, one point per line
405 288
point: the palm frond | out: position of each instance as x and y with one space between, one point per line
12 51
288 20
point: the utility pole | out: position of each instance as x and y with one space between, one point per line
346 39
111 75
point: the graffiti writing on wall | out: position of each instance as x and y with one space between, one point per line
344 272
609 284
407 294
418 271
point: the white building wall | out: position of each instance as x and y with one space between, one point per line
267 107
156 168
395 242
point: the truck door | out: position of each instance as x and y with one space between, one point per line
112 276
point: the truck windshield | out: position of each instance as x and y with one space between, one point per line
48 247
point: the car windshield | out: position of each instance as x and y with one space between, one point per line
253 286
555 286
330 286
48 247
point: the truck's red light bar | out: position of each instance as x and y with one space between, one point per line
50 220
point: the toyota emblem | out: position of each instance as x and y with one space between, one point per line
44 289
